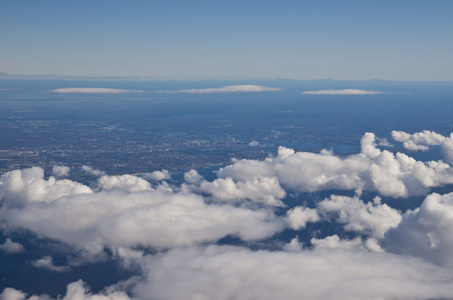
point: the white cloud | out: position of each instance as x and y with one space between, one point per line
266 190
373 219
47 263
418 141
75 291
123 212
157 175
222 272
11 247
394 175
298 217
94 172
60 171
92 91
426 231
228 89
254 144
342 92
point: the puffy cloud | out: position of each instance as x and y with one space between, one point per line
92 91
254 144
60 171
228 89
418 141
447 149
266 190
123 212
373 219
94 172
342 92
222 272
19 188
394 175
157 175
334 241
298 217
11 247
125 182
75 291
47 263
426 231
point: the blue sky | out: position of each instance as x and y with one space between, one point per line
349 40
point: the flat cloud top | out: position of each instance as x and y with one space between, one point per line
342 92
228 89
92 91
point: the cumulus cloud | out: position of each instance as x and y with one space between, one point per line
94 172
11 247
426 231
373 219
223 272
92 91
60 171
299 216
418 141
394 175
254 144
124 212
47 263
228 89
266 190
75 290
157 175
342 92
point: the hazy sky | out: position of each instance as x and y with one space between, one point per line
353 40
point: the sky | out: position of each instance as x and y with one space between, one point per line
344 40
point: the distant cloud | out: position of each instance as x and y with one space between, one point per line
11 247
60 171
47 263
93 91
342 92
228 89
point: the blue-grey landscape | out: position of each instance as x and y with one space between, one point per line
226 150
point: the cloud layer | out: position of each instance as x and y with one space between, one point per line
342 92
350 247
228 89
92 91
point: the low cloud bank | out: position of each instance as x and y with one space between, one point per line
93 91
228 89
169 231
342 92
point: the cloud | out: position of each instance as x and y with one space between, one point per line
224 272
418 141
94 172
372 219
47 263
75 290
394 175
342 92
60 171
265 190
157 175
11 247
298 217
123 211
254 144
426 231
228 89
93 91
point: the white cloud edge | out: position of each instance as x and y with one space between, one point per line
342 92
227 89
93 91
